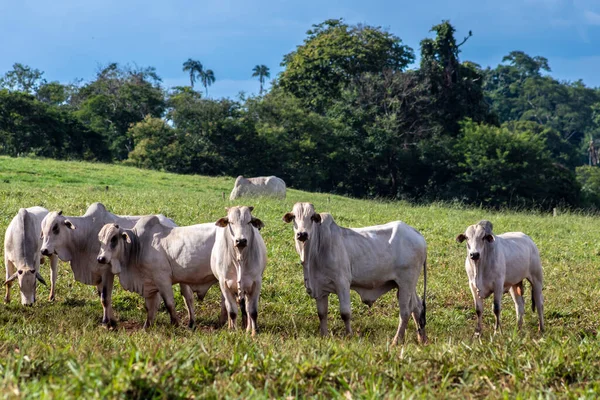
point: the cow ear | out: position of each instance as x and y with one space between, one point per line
316 218
461 238
59 212
126 237
69 224
489 238
11 278
257 223
288 217
222 222
251 208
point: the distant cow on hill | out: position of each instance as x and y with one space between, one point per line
259 186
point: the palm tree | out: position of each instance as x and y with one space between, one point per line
208 78
195 69
262 71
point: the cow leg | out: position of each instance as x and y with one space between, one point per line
53 275
516 293
538 301
243 310
223 317
152 303
322 311
230 304
498 291
10 269
405 311
188 297
345 309
252 307
166 291
106 299
478 308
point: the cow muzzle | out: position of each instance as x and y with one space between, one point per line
302 236
101 260
241 243
46 252
474 255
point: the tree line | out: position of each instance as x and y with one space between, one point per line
347 115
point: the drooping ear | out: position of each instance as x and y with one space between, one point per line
288 217
38 276
59 212
316 218
461 238
222 222
257 223
126 237
11 278
69 224
489 238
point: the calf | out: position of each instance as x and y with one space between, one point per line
371 260
238 260
496 264
151 257
22 254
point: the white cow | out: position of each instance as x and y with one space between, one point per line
238 260
496 264
259 186
371 260
75 240
151 257
22 254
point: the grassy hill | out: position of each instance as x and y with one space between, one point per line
60 350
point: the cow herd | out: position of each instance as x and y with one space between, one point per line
151 253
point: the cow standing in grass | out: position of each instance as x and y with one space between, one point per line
260 186
151 257
371 261
75 240
22 254
496 264
238 260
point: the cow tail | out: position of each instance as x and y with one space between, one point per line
532 301
422 317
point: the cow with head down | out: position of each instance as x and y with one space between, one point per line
270 186
22 254
371 261
238 260
75 240
152 257
497 264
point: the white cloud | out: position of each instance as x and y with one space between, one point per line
591 17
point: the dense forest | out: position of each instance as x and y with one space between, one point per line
351 114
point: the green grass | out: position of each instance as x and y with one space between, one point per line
59 350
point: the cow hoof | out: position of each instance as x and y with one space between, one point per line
112 324
192 325
51 298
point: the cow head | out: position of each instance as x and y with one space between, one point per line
56 234
477 236
240 224
305 218
112 240
27 276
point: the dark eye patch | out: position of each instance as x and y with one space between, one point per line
113 241
55 229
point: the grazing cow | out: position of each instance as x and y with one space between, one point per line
152 257
499 263
260 186
75 239
371 260
238 260
22 254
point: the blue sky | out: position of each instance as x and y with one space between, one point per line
70 38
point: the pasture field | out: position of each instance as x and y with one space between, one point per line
60 350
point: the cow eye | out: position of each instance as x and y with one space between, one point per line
32 271
55 230
113 241
20 272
